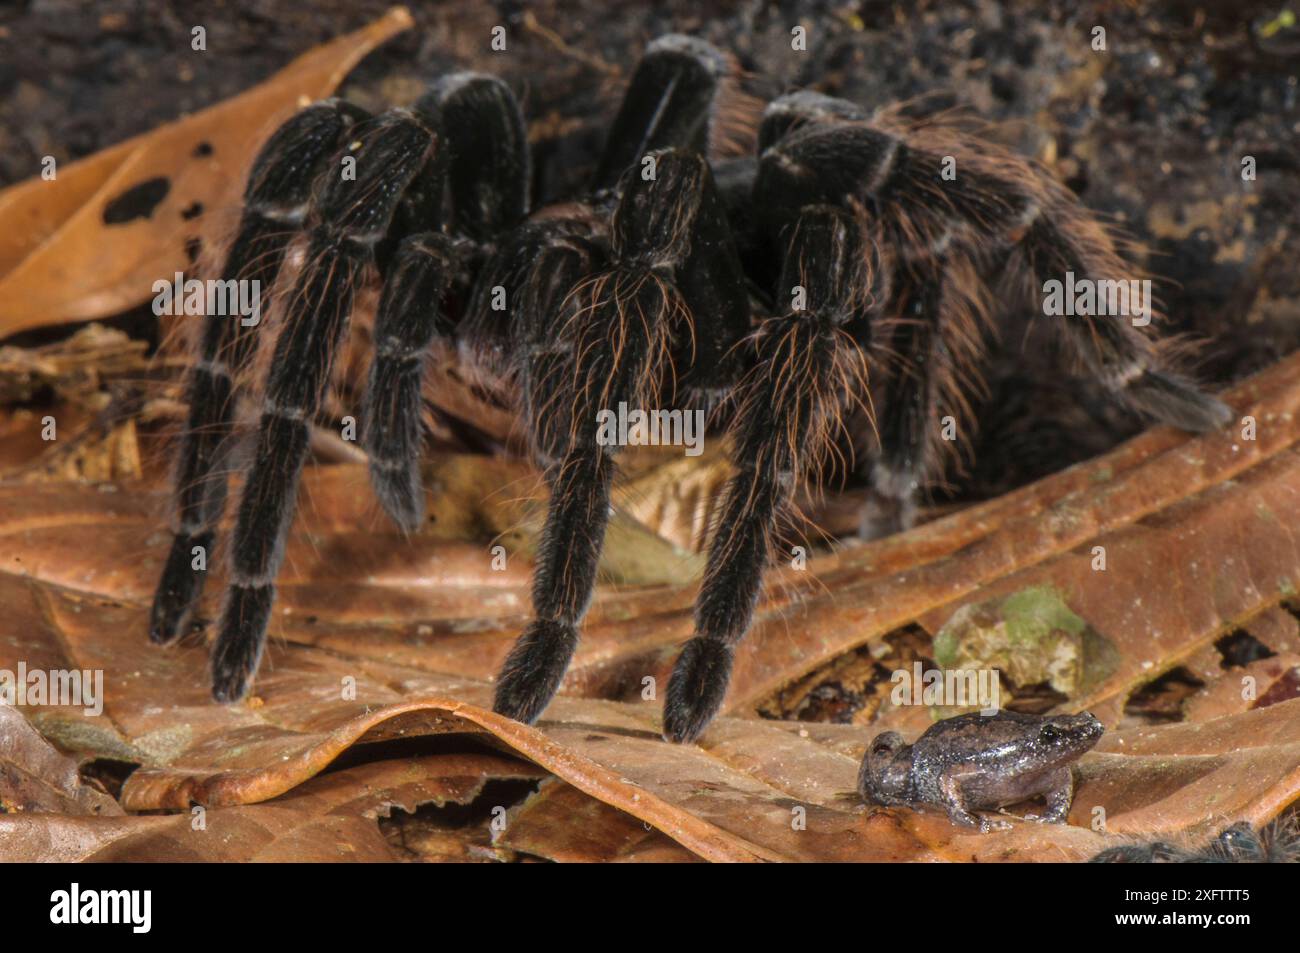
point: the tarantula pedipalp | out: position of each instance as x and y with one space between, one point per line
636 293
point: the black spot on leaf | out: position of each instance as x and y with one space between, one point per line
139 201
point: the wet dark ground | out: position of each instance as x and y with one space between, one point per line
1152 131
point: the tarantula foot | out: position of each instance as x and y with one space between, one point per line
532 673
696 688
238 650
1173 400
178 589
398 487
892 507
883 516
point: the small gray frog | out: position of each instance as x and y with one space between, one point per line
981 762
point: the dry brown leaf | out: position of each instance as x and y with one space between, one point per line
22 432
84 395
561 823
61 262
732 798
73 368
332 817
36 778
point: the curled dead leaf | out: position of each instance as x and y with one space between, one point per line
92 241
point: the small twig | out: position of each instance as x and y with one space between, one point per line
590 59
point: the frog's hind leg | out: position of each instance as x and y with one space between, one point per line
954 800
1059 797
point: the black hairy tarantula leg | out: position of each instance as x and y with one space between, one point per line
906 429
547 362
669 103
488 160
410 318
536 268
934 344
621 341
275 202
994 204
487 172
809 368
348 217
1122 356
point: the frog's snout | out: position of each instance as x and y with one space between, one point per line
1086 728
1093 726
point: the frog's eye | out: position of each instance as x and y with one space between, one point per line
1049 735
886 743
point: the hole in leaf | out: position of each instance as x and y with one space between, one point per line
1241 648
139 201
1162 700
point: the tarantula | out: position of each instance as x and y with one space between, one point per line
654 288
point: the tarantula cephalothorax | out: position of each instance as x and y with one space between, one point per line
655 289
